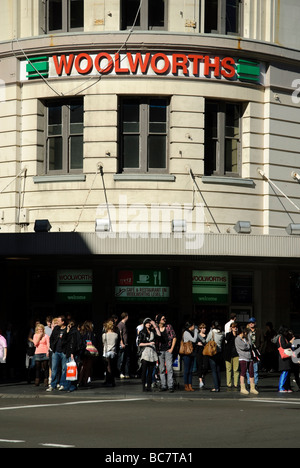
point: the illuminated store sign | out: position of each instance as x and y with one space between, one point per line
138 64
74 285
142 286
210 287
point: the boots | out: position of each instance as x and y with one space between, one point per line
244 391
186 388
191 388
253 389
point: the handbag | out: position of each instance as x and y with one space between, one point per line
90 349
255 354
284 353
71 373
186 348
210 349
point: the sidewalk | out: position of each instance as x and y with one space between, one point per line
132 388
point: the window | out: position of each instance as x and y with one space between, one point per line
222 138
64 15
64 136
222 16
152 14
143 139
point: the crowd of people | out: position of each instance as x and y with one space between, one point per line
241 350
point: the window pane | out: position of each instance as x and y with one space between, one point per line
211 120
55 120
231 156
211 16
76 19
131 151
157 152
156 13
158 116
211 137
55 15
76 152
232 16
210 162
55 153
76 118
129 12
232 121
131 116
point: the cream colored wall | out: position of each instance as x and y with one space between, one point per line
270 128
263 20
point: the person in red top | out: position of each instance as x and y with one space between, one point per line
42 345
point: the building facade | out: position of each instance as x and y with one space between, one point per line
149 159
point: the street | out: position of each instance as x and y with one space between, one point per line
152 423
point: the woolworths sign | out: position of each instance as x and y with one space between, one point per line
147 64
74 285
210 287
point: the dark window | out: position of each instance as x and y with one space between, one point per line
65 15
64 141
143 138
151 15
222 138
222 16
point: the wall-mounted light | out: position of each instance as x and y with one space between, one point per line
178 225
243 227
42 225
295 176
293 229
102 225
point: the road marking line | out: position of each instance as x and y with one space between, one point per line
279 402
89 402
7 441
58 445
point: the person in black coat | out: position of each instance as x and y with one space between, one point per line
285 341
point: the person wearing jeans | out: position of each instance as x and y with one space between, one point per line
58 345
190 334
217 335
166 343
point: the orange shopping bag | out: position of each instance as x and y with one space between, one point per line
71 371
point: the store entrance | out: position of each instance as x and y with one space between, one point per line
208 314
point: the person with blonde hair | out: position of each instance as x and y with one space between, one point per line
42 345
110 340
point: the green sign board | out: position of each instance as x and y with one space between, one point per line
74 285
142 286
210 287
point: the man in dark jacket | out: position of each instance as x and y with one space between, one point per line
58 345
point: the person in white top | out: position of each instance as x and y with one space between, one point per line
232 320
3 353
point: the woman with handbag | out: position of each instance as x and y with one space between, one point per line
215 361
190 335
284 345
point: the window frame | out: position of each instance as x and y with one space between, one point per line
66 18
144 132
66 136
221 140
222 19
144 21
